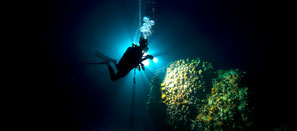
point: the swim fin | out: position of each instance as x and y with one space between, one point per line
104 57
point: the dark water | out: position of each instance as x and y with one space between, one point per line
78 96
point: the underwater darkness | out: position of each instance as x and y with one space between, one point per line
74 95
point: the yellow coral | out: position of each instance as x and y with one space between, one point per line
209 118
200 71
163 84
212 108
213 90
198 117
163 96
219 98
168 69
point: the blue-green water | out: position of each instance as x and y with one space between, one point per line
82 97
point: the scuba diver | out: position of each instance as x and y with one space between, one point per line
131 59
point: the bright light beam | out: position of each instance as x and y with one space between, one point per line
146 62
155 60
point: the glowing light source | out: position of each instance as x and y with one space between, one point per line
146 62
155 60
145 54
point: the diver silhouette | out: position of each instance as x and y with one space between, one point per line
131 59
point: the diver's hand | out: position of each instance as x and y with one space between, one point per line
150 57
142 67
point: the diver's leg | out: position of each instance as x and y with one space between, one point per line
121 72
113 76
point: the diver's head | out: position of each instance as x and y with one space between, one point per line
143 43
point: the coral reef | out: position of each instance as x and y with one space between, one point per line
191 95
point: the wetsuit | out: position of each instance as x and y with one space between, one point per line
130 60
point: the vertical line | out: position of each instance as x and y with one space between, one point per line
139 21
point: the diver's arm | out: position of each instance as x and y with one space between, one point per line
141 65
147 57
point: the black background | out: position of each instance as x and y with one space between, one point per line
54 101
